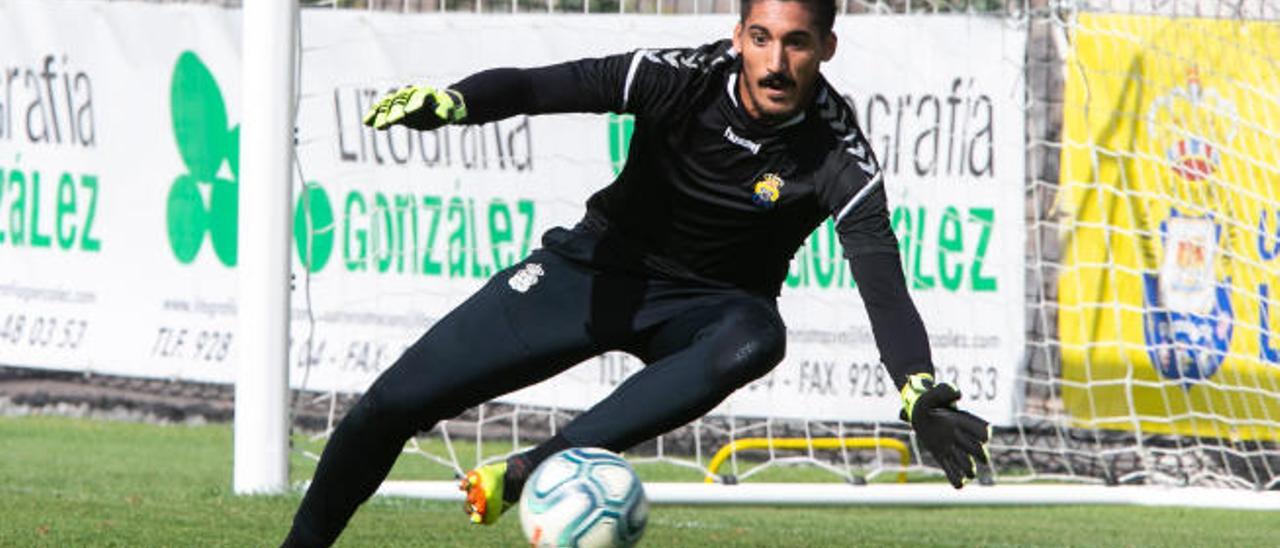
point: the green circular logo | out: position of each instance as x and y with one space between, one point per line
313 227
186 219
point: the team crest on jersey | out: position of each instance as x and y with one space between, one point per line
767 190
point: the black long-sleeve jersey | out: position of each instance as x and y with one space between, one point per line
710 194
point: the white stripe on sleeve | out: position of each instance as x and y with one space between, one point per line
631 75
862 193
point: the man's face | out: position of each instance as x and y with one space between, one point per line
781 50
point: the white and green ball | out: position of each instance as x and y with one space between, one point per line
585 498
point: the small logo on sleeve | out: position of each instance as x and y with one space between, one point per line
767 191
526 277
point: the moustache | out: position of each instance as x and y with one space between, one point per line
777 81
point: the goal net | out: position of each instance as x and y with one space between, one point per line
1155 250
1116 332
1086 194
417 221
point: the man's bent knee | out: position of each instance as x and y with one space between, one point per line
751 341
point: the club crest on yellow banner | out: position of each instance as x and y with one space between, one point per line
1170 186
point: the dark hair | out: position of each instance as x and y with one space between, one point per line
823 11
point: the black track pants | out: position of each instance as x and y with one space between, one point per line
526 324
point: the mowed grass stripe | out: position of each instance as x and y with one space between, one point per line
80 482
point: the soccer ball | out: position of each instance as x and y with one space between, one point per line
586 498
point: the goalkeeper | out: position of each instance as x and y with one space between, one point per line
741 149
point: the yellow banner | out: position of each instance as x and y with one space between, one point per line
1171 240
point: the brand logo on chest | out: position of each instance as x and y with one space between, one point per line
748 144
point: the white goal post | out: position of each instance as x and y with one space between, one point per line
261 463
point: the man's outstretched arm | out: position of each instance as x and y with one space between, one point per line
642 82
957 439
620 83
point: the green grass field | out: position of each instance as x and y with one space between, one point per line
74 482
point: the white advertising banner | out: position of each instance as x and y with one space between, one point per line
119 147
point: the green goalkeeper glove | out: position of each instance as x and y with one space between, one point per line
956 439
417 107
